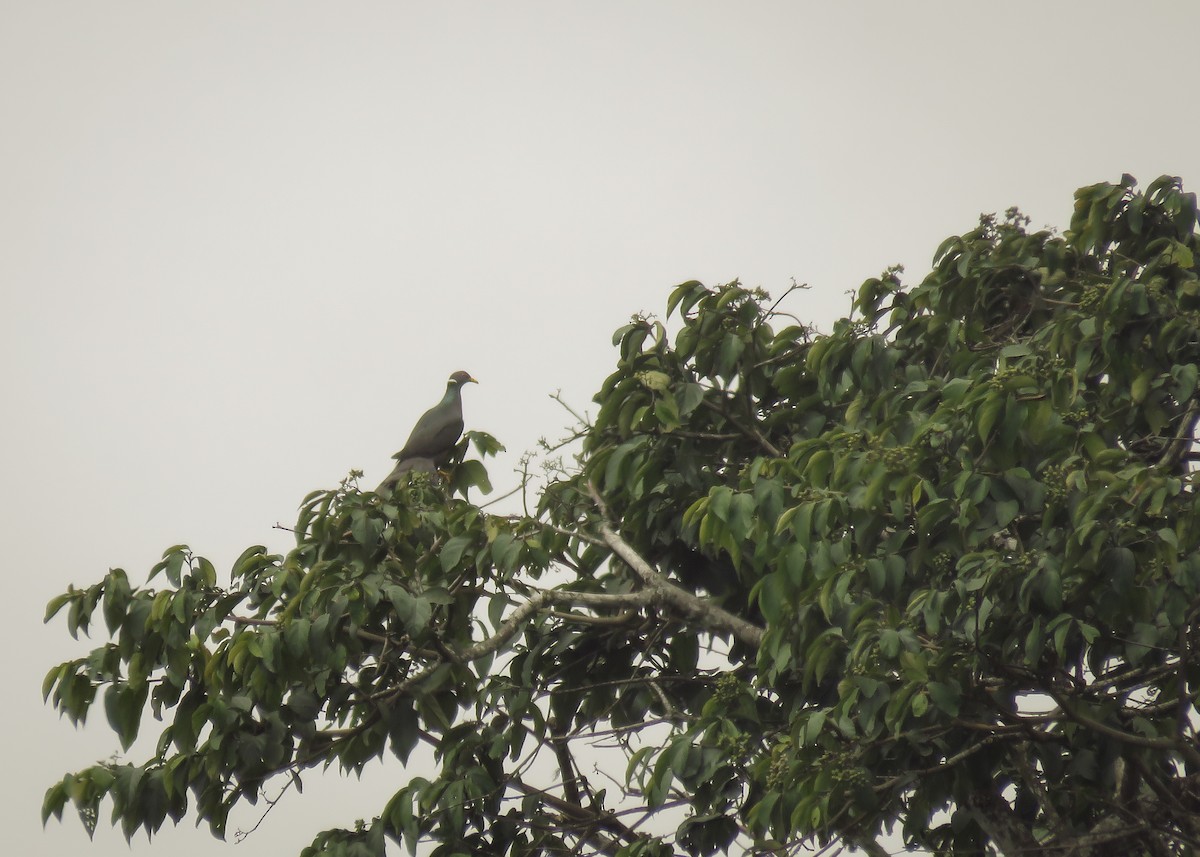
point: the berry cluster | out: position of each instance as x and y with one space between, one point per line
729 687
779 774
1024 562
843 768
894 458
1077 416
1091 296
1055 478
1000 380
735 746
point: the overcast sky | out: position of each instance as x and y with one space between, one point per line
243 245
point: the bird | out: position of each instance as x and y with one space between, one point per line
432 440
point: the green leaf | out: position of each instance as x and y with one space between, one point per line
1185 377
919 705
667 413
364 528
818 468
890 643
1180 254
720 501
1006 512
743 514
205 573
730 352
484 443
988 413
877 575
452 551
685 296
620 333
54 801
946 696
57 603
472 474
688 398
413 612
955 389
773 597
1140 387
795 560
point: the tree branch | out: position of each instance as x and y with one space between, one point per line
1001 825
1184 748
566 764
751 431
580 816
1185 700
250 622
1186 437
619 619
515 622
870 846
706 614
1020 758
948 762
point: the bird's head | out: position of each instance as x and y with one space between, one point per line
459 378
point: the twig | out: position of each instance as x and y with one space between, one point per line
242 835
558 398
496 500
792 288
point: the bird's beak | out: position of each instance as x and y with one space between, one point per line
471 380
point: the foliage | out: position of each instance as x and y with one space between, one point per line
934 573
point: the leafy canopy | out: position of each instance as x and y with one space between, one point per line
936 572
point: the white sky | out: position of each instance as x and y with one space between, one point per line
245 243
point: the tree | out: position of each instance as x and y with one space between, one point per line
936 572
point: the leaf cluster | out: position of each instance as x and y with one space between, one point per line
934 572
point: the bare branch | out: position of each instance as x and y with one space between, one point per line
582 420
492 502
794 287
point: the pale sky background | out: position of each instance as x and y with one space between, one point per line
245 243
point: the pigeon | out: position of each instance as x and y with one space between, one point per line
433 438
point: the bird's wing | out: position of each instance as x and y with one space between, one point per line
436 431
